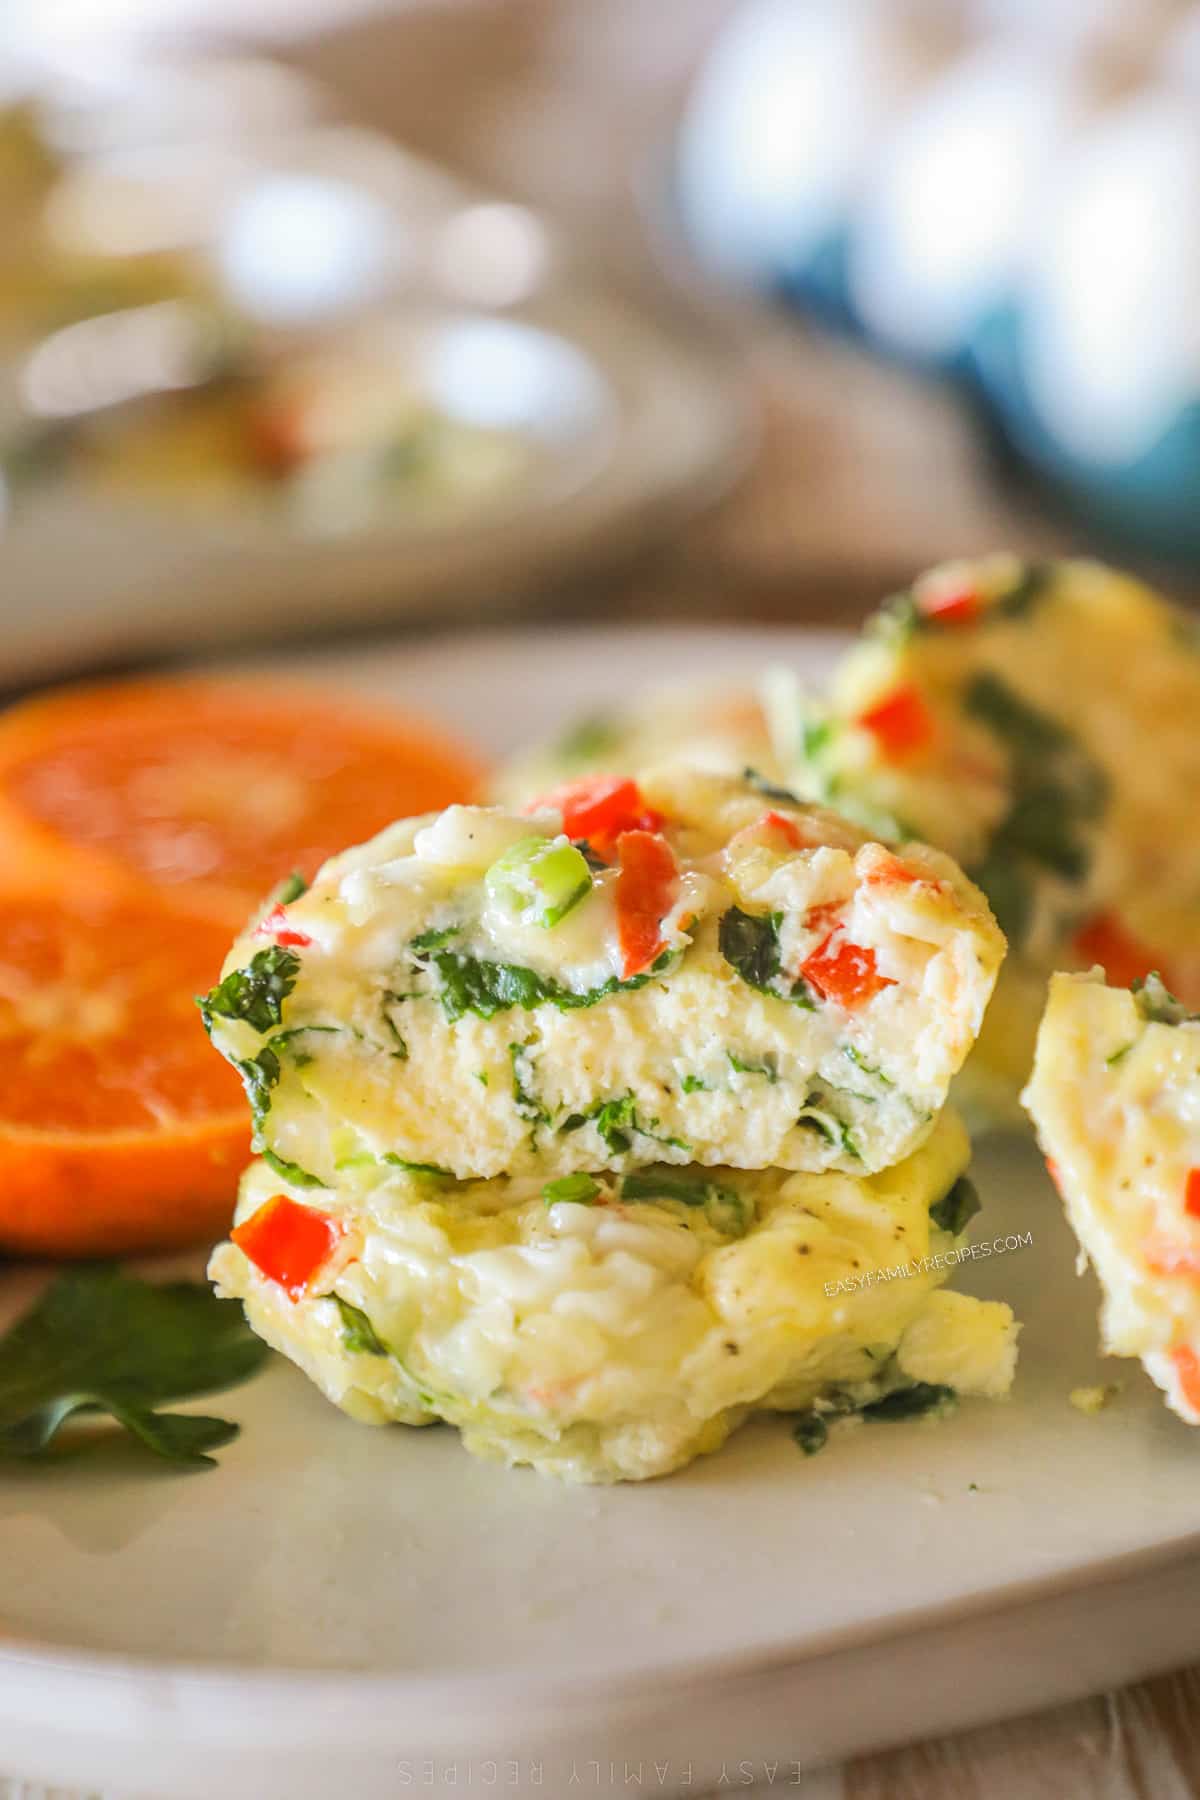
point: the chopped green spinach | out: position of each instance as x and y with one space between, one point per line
1157 1004
618 1122
470 984
770 790
911 1402
955 1210
255 993
749 942
810 1431
416 1168
768 1067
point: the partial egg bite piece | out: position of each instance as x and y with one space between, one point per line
1115 1099
1036 722
688 969
611 1328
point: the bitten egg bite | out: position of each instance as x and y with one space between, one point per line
606 1328
689 970
1115 1099
1037 722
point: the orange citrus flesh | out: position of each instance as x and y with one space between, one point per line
120 1130
213 789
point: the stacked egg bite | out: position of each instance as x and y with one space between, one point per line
592 1129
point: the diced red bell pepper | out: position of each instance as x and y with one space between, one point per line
598 808
1163 1258
1191 1194
1187 1367
647 888
844 972
274 925
901 722
1054 1172
958 604
886 870
785 827
1123 958
289 1243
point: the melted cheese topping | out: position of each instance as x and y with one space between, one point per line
618 1339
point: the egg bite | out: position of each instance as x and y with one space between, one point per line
717 727
606 1327
1115 1100
686 970
1036 721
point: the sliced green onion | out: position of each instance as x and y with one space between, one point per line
579 1190
539 879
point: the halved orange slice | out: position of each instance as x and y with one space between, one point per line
119 1128
212 788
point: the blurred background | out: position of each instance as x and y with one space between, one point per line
320 316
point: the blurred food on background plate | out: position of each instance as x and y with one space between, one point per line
710 726
1005 194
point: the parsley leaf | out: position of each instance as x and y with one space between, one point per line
101 1341
255 993
290 888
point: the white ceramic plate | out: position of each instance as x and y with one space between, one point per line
655 429
342 1610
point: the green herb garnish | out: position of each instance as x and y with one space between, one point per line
288 1171
768 1067
617 1122
469 984
770 790
811 1432
749 942
528 1106
955 1210
692 1084
588 739
1057 791
911 1402
416 1168
727 1210
1157 1004
358 1333
100 1341
290 888
255 993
